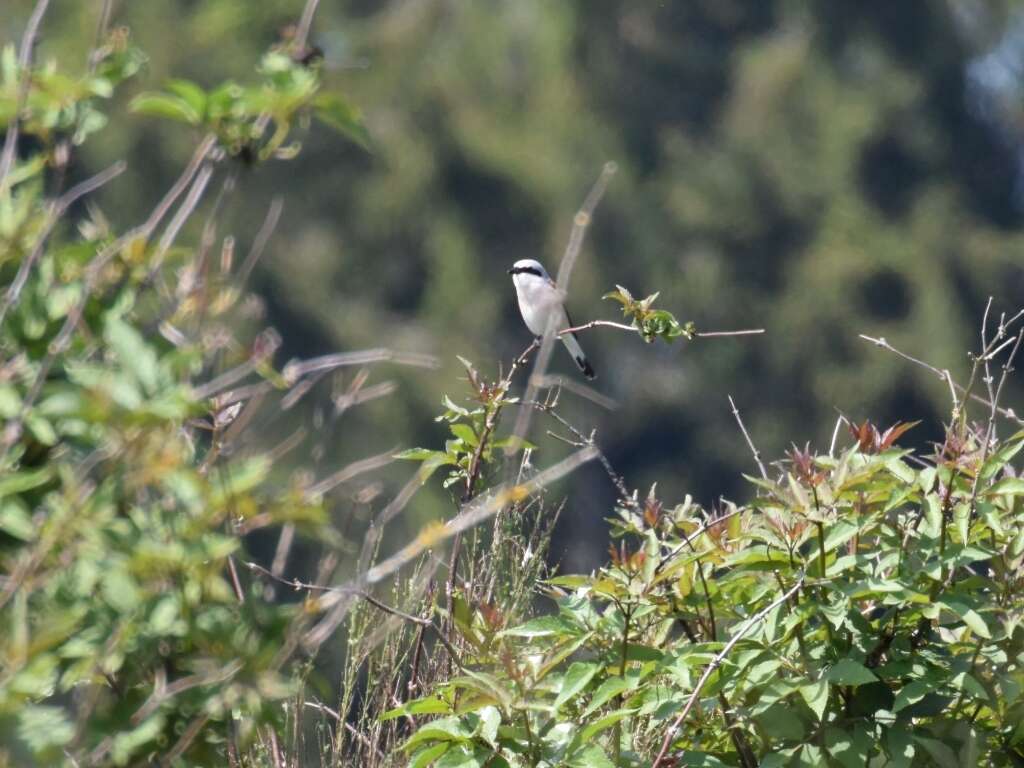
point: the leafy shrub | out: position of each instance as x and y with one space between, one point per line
863 609
124 495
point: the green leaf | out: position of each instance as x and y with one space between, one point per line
943 756
544 626
426 756
19 482
41 429
191 94
444 729
417 454
340 115
128 743
849 747
433 463
120 590
590 756
164 105
133 353
849 672
576 679
1000 459
911 693
43 728
970 617
15 520
610 688
465 433
238 478
463 757
604 723
816 696
430 705
782 722
1010 486
10 402
490 720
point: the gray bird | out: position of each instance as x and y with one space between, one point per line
539 297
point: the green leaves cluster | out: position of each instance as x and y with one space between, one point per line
472 444
650 323
125 635
901 648
239 116
61 105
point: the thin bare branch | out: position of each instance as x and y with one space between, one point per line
186 210
571 385
1007 413
715 664
305 22
746 436
179 186
262 238
28 41
187 737
352 470
102 25
835 435
598 324
715 334
293 370
634 329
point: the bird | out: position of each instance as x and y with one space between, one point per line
539 297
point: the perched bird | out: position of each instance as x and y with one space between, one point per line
539 297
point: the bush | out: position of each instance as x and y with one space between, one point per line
125 488
864 609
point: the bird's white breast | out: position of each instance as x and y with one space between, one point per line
537 299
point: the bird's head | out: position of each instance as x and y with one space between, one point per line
528 267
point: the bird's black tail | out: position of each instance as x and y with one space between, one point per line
573 345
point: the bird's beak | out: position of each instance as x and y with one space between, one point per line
510 271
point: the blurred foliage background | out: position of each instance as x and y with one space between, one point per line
818 169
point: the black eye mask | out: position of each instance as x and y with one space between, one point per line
527 270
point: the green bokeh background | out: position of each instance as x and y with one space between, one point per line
820 169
